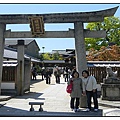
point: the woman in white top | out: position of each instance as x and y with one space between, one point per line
90 89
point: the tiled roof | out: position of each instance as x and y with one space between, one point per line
61 52
14 42
53 61
104 63
12 54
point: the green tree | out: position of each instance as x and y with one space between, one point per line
46 56
55 56
41 57
112 27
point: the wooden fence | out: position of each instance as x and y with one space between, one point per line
9 74
100 72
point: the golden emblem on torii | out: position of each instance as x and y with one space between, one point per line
37 25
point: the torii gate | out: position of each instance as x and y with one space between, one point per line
77 18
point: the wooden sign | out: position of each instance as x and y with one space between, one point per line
37 25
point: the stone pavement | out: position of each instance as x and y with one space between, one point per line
56 102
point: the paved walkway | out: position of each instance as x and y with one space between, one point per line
56 102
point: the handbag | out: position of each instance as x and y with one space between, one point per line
83 98
69 87
83 101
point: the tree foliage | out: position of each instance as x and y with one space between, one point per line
111 53
48 56
55 56
112 27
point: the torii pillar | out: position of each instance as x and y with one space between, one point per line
80 50
2 41
20 68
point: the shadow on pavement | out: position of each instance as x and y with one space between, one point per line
52 84
10 111
62 83
79 114
33 95
36 81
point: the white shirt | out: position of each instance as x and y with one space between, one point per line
90 85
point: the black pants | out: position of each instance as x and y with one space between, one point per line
57 79
66 77
42 76
48 81
74 103
91 94
34 76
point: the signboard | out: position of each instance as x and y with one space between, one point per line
37 25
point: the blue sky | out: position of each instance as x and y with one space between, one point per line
53 43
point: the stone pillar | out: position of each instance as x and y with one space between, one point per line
27 76
80 51
2 42
20 68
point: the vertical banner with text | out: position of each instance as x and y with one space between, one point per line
37 25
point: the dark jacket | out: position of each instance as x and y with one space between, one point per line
48 74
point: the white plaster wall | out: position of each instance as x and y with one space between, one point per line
5 85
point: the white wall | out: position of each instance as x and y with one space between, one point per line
5 85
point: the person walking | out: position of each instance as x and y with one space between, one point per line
66 74
43 73
34 73
76 91
57 74
90 89
48 76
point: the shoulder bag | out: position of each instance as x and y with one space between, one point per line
69 87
